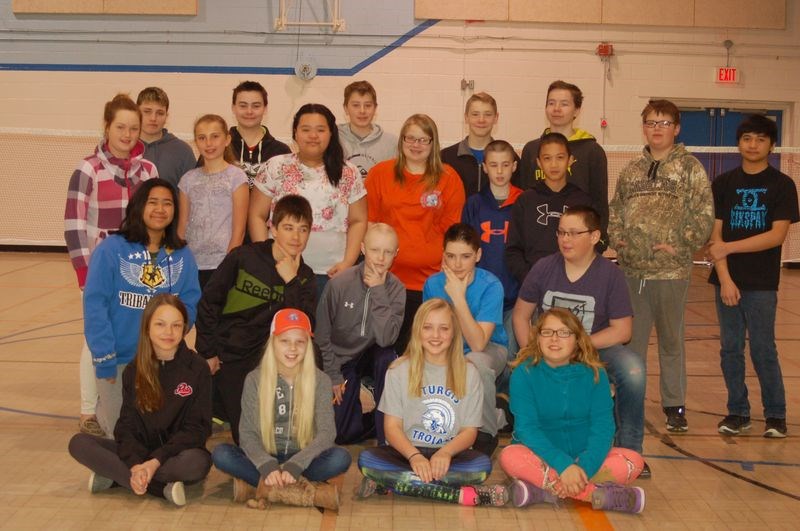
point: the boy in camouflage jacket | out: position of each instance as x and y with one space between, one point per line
662 212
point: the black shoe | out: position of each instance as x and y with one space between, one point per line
485 443
676 419
734 425
775 429
501 402
645 473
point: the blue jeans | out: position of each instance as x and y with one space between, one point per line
504 378
755 313
232 460
626 370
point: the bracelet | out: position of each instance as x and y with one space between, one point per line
413 455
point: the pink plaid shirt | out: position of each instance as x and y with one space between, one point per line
99 191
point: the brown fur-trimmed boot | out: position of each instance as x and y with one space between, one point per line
303 493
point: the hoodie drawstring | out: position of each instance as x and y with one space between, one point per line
642 285
653 171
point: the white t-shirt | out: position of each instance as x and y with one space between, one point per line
285 175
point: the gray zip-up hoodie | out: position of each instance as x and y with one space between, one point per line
285 433
172 156
368 151
352 317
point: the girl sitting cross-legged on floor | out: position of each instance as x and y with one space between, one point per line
564 423
432 411
160 438
286 446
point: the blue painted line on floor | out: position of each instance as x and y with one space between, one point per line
739 462
51 325
748 465
36 413
40 337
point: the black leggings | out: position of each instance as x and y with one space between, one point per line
100 456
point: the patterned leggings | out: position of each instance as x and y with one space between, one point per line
389 469
621 466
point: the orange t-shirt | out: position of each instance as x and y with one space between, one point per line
420 217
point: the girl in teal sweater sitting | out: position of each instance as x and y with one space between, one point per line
564 423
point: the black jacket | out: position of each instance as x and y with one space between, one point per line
253 161
241 298
184 420
466 165
534 221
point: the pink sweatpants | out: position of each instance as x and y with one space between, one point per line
621 466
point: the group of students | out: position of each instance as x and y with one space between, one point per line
300 335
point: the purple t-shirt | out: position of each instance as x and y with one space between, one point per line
599 295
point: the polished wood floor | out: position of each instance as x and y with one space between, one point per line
701 480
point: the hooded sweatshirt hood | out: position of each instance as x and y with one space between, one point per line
368 151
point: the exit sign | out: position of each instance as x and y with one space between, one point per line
727 75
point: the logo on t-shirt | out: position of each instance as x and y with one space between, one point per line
487 231
432 199
439 418
146 277
438 421
580 305
545 215
183 389
749 214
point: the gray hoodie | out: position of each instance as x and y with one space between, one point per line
352 317
285 434
368 151
172 156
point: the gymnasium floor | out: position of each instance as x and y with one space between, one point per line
701 480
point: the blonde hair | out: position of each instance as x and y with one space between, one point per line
584 350
433 166
305 384
456 363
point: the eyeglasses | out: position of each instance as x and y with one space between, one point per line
423 141
570 234
661 124
563 333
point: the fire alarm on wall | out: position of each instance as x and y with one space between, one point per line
605 49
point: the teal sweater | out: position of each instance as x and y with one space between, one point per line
562 415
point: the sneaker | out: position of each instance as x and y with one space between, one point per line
174 492
90 426
611 497
733 425
524 493
645 473
367 488
775 429
98 483
676 419
242 491
495 495
485 443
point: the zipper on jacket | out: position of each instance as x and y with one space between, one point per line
364 316
291 418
